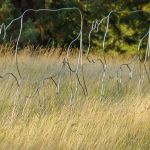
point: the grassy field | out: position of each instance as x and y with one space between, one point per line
118 120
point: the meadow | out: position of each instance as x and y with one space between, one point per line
30 120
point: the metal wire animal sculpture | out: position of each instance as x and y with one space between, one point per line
78 70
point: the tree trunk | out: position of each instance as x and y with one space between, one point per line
23 5
28 4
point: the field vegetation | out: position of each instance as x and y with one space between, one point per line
118 120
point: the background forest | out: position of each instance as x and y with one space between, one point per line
53 29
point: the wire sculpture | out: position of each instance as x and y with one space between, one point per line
78 70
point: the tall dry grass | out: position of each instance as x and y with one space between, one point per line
88 125
118 121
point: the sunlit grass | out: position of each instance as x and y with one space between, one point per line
46 121
88 125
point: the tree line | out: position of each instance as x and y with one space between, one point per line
126 27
